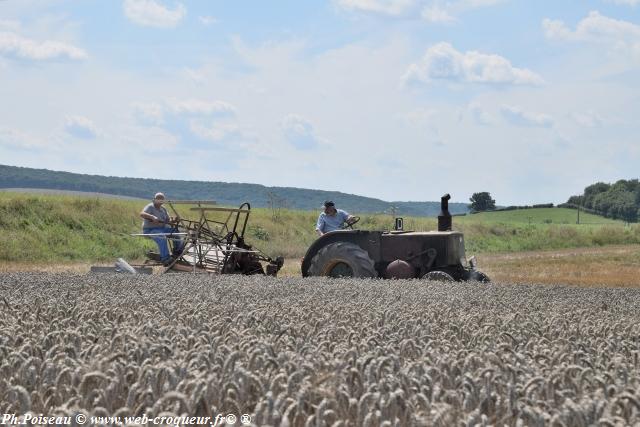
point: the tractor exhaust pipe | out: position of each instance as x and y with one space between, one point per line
444 219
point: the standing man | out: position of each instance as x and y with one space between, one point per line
331 219
157 221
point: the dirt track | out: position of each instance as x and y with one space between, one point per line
589 267
325 352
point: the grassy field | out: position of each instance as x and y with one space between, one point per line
539 216
45 228
48 228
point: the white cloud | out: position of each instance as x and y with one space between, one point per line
430 10
437 14
16 46
299 132
477 3
204 119
554 29
589 119
197 107
443 62
597 28
207 20
425 122
446 12
146 138
627 2
154 112
196 75
386 7
480 115
149 113
17 139
10 25
419 116
150 13
218 131
80 127
518 117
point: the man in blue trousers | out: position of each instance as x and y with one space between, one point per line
157 221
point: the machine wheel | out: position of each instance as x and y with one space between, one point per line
438 276
342 259
479 276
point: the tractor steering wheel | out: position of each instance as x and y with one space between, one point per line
349 225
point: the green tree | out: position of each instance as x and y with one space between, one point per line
619 200
593 191
481 202
576 200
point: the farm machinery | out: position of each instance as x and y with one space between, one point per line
212 240
434 255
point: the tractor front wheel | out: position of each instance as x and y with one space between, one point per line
342 259
438 276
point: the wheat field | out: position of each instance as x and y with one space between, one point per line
317 352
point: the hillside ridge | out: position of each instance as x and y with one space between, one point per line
225 193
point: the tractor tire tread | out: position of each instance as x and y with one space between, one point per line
438 276
359 260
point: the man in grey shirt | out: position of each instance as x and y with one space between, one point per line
157 221
331 219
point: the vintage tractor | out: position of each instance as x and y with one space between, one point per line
433 255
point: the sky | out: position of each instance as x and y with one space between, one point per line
395 99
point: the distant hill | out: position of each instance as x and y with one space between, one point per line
225 193
46 191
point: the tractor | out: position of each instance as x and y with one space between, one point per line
398 254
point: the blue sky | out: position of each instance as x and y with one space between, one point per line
396 99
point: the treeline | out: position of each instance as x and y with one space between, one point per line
515 208
619 201
225 193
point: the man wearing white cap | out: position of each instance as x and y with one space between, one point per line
157 221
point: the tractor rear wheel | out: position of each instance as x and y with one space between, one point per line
342 259
438 276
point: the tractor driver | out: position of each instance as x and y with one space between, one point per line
332 219
157 221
